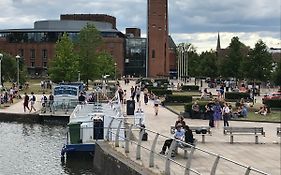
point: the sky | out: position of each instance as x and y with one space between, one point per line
191 21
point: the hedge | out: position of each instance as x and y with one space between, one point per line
162 92
152 88
178 99
236 95
273 103
190 88
202 104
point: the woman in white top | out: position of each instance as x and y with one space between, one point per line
225 114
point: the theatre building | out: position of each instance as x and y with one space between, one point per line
36 45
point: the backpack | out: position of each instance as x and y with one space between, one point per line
33 98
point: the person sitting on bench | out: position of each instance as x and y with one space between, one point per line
188 136
179 134
180 121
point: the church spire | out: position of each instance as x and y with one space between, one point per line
218 42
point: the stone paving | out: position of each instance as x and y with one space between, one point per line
264 156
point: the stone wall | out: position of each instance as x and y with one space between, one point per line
108 162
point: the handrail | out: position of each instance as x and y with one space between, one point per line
168 158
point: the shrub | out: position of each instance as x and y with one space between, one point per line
236 95
178 99
273 103
161 92
190 88
152 88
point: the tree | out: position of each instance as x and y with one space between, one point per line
88 42
9 68
230 65
106 65
65 64
258 64
207 66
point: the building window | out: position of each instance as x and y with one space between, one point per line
32 53
153 25
44 54
45 64
153 53
32 64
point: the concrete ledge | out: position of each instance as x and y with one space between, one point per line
33 118
108 162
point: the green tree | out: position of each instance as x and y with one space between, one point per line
207 65
230 65
258 64
88 42
106 65
9 68
65 64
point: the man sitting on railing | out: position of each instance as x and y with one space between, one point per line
179 134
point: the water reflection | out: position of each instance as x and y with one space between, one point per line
35 149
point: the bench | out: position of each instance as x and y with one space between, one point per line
279 131
203 130
243 131
186 148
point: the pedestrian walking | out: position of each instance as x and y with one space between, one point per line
25 102
44 101
156 104
51 103
32 102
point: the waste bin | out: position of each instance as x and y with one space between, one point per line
130 107
98 129
74 133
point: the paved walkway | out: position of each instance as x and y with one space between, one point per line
264 156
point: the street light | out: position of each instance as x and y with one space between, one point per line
78 76
1 56
115 67
18 69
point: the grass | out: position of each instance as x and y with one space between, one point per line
274 116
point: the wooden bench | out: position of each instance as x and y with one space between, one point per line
243 131
203 130
279 131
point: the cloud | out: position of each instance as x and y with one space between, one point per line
196 21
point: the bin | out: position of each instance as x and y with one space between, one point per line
74 133
130 107
98 129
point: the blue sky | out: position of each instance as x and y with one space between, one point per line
192 21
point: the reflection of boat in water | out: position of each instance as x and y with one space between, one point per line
87 124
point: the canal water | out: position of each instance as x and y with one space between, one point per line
35 149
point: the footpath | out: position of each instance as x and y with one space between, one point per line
265 156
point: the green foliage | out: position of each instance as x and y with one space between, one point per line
207 66
178 99
273 103
258 64
9 68
105 64
193 63
65 64
202 104
190 88
88 43
161 92
236 95
152 88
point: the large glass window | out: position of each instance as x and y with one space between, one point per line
44 54
32 53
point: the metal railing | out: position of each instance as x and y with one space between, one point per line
151 146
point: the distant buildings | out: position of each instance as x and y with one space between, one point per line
134 55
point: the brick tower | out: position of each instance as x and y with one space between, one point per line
157 35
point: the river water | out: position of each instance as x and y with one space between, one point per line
31 149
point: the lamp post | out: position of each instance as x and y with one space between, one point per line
1 56
18 69
78 76
115 67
